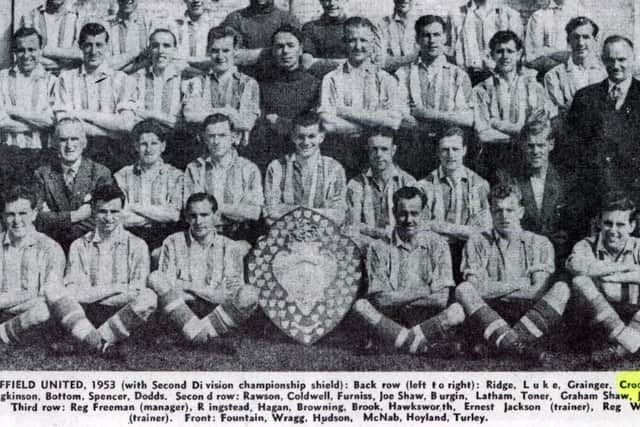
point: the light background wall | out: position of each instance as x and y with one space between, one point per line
614 16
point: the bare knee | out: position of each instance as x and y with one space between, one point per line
246 297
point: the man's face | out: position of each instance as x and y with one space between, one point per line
506 56
71 141
333 8
307 140
537 150
451 152
55 4
581 41
201 218
262 4
219 139
163 49
359 42
127 7
286 50
506 214
616 227
28 53
222 53
618 60
150 148
107 214
402 6
94 50
381 151
431 39
195 7
407 214
19 217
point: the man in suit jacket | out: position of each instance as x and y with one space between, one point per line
545 189
64 186
604 125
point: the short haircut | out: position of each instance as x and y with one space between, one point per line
67 120
383 131
215 118
106 193
407 193
308 118
502 37
25 32
536 124
357 21
164 30
617 200
616 39
92 29
503 190
201 197
291 30
425 20
149 126
19 192
217 33
451 132
579 21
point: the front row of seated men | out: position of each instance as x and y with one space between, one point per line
509 297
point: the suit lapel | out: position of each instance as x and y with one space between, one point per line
633 95
81 185
58 187
551 194
529 200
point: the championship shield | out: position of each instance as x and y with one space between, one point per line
307 273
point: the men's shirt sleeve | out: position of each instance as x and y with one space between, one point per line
253 194
544 256
354 199
54 264
581 257
49 219
272 181
442 276
75 272
140 264
534 39
249 109
336 192
377 269
481 115
474 259
167 262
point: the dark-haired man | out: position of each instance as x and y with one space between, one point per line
396 36
258 22
104 99
192 29
507 274
434 95
234 181
32 264
305 177
152 188
129 33
59 25
107 267
503 102
25 109
286 90
200 267
407 300
64 186
607 279
324 37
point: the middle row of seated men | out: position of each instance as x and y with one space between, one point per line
509 296
425 98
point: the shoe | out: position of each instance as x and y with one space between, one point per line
530 353
480 351
445 349
117 352
605 357
62 348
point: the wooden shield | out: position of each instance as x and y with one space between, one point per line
307 273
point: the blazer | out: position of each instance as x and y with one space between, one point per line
56 201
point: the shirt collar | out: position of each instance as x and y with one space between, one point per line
117 237
462 174
590 63
134 17
394 173
496 237
398 18
103 70
439 62
28 240
170 72
313 161
209 241
38 73
421 241
328 20
623 85
75 167
600 248
232 71
158 167
367 67
225 163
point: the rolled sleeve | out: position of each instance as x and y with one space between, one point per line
544 257
336 192
473 260
249 108
376 267
253 194
481 115
328 94
581 257
354 200
442 276
127 90
272 180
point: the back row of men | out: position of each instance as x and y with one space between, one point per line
427 96
410 231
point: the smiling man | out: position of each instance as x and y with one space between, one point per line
409 278
33 263
434 95
107 267
152 188
64 187
503 102
26 115
305 177
234 181
507 274
607 280
199 268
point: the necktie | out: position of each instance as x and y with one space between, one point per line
69 178
615 93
